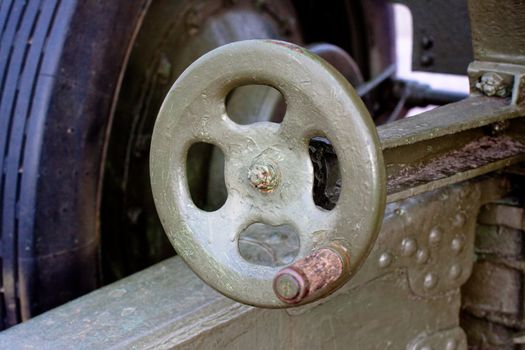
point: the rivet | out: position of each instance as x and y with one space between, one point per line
457 244
435 236
455 271
426 42
427 60
422 256
385 260
408 247
451 344
430 280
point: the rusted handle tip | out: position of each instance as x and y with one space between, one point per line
313 276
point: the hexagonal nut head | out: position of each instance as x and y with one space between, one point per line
264 175
492 84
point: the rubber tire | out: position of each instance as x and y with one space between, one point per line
61 63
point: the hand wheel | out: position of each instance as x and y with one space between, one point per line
268 173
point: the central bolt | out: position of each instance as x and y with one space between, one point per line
263 176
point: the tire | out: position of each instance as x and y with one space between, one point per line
61 67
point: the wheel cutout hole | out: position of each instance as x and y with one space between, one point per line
327 176
255 103
205 174
268 245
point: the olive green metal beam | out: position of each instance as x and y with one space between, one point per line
406 295
451 143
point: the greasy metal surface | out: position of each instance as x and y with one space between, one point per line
168 307
450 144
474 112
320 102
441 35
443 146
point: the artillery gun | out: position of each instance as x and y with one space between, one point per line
306 210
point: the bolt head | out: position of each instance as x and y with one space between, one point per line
492 84
264 176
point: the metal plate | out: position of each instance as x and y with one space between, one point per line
441 35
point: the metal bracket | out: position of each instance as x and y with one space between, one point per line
498 79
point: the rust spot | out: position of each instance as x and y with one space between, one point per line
315 275
475 154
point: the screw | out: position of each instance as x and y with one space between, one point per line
263 176
492 84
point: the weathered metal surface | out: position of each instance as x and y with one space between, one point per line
451 143
320 102
440 147
388 304
441 35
